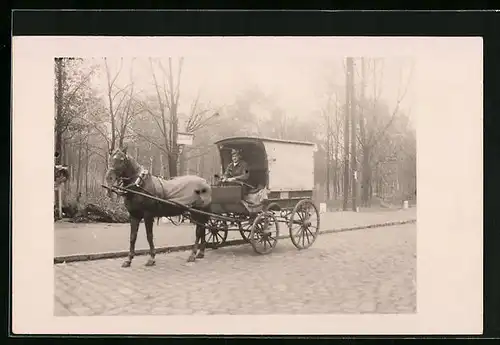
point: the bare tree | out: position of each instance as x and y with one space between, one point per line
71 82
165 112
371 130
120 102
349 89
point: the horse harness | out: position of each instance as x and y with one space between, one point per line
139 182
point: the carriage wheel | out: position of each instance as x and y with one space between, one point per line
304 224
177 220
216 232
273 207
245 229
264 233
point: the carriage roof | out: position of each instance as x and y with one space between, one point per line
281 165
263 140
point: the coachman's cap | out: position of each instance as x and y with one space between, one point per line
235 152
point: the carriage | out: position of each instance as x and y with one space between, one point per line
278 191
282 171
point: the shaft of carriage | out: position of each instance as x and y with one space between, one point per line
276 191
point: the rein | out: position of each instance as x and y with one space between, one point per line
121 189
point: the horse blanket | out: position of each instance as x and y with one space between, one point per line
188 190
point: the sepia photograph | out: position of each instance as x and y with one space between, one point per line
254 178
272 171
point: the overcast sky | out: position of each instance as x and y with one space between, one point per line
298 84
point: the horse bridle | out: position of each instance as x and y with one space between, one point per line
138 180
120 178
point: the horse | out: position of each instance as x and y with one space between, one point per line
189 190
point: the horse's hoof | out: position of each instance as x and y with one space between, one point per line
200 255
126 263
191 258
150 262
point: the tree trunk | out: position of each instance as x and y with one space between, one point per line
182 161
162 166
370 193
366 184
172 165
352 109
59 109
68 161
79 168
202 166
59 148
328 164
336 176
198 166
173 158
87 169
346 141
366 176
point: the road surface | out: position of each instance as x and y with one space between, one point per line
362 271
71 238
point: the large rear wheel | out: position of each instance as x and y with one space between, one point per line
304 224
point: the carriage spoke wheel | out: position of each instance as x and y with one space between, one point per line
264 233
176 220
304 224
245 229
216 233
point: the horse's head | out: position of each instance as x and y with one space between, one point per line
203 195
119 163
119 160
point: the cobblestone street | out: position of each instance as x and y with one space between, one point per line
363 271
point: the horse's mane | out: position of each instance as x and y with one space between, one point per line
132 165
136 165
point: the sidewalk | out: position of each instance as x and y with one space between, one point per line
78 238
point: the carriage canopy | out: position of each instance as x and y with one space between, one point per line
279 165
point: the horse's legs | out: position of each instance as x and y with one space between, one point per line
198 231
203 245
149 222
134 228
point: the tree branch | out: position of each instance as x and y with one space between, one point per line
152 142
177 90
70 98
375 138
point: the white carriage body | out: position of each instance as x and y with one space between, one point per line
290 166
285 167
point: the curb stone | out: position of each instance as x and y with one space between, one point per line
121 254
